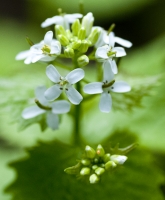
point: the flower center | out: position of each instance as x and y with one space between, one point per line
106 84
46 49
111 53
62 82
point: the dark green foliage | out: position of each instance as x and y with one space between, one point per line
41 176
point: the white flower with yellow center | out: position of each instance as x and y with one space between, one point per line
63 20
46 51
64 83
108 85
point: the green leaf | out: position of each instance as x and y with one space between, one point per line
41 175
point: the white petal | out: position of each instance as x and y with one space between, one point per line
105 102
39 93
75 76
73 17
60 107
52 120
122 42
107 70
93 88
120 86
55 50
48 38
113 66
31 112
28 60
51 21
37 58
52 92
73 95
47 58
111 39
101 52
22 55
53 74
119 51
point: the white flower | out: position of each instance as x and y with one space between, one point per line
47 50
87 22
55 108
64 83
107 52
118 159
63 20
106 87
104 39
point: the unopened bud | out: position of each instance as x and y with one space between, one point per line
99 171
85 171
96 160
94 179
87 22
84 46
109 165
63 40
93 37
59 30
86 162
100 151
94 167
76 44
69 52
118 159
106 157
76 27
90 152
83 60
82 34
69 34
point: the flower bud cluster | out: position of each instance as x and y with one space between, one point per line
95 163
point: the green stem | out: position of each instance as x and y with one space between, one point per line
77 112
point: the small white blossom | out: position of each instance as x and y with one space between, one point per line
118 159
58 107
62 83
104 39
107 52
106 87
63 20
47 50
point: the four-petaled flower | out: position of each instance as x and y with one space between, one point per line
51 109
107 52
106 87
64 83
63 20
47 50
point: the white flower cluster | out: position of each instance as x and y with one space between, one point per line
74 36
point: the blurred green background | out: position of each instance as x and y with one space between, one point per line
140 21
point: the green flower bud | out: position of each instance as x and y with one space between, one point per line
96 160
102 165
83 60
85 171
86 162
94 179
94 167
76 27
59 30
69 34
82 34
76 44
69 52
109 165
73 170
106 157
99 171
118 159
63 40
94 35
90 152
84 46
100 151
